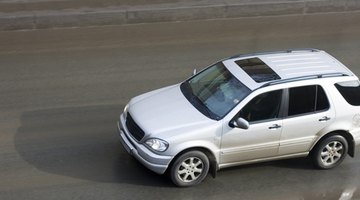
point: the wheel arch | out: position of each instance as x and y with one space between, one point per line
348 137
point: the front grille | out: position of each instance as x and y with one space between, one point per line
133 128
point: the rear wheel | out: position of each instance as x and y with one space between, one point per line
330 152
189 169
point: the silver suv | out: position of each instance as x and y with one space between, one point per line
246 109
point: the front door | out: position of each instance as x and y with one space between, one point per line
261 139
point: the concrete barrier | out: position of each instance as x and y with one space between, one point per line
165 12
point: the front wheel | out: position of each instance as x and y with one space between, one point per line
189 169
330 152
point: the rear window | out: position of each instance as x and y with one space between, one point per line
350 90
257 70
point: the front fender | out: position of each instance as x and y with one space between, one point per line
198 144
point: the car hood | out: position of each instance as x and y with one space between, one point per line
165 112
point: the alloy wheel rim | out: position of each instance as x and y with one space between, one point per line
332 153
190 169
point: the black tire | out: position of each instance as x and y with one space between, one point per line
189 169
330 152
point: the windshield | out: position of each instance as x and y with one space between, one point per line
214 91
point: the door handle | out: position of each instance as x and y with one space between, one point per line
274 126
324 119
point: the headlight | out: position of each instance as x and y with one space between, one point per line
157 144
126 110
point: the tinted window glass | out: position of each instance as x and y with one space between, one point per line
263 107
350 91
307 99
322 101
257 70
301 100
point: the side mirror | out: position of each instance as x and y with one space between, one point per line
240 123
194 72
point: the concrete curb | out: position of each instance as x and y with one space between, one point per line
169 12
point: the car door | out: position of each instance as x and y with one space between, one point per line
309 111
261 139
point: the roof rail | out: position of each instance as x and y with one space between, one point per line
301 78
303 49
273 52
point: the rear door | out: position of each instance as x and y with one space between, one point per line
309 111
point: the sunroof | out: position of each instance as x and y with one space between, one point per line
257 70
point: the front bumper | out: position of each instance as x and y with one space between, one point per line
155 162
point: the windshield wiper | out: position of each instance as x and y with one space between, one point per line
204 107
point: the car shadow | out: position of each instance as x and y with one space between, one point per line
303 163
80 142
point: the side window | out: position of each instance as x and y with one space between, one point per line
263 107
307 99
350 90
322 100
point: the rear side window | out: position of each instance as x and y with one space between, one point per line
307 99
350 90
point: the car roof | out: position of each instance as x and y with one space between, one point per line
287 66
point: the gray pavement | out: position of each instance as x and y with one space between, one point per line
61 91
41 14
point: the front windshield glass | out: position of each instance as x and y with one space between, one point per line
214 91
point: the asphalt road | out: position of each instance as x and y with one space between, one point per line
61 92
